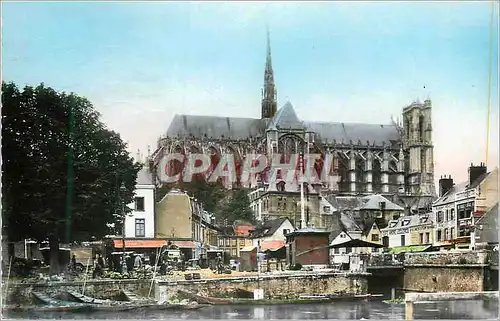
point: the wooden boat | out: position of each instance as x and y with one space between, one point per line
53 305
81 298
352 297
204 300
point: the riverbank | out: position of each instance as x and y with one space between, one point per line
286 285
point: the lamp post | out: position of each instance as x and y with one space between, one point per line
122 201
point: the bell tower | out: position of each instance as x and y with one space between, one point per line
269 104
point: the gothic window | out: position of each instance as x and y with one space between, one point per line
288 146
360 175
280 186
421 128
376 175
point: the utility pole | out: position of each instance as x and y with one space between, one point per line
69 184
122 201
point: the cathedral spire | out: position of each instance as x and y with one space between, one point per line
269 105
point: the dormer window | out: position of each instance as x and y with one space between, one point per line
280 186
393 224
405 222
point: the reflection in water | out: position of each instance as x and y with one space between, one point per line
337 310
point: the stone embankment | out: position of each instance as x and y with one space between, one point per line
275 285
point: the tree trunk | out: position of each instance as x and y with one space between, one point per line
54 255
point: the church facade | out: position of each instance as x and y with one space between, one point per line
389 159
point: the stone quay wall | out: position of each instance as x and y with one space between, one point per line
286 286
20 293
462 258
444 279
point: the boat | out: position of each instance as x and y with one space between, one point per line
52 305
352 297
238 301
203 300
81 298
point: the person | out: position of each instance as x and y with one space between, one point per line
137 262
73 262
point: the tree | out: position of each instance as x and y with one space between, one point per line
237 207
36 143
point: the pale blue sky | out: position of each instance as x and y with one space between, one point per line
140 63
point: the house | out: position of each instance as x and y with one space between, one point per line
140 223
486 228
366 209
270 235
234 237
408 231
349 230
308 247
459 205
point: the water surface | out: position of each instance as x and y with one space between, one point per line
336 310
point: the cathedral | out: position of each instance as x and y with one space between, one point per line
394 159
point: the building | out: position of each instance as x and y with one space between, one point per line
182 220
308 247
393 158
486 228
347 229
409 231
234 237
140 223
282 200
459 205
270 235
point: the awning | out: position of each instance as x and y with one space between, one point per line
247 248
271 245
140 244
410 248
184 244
356 243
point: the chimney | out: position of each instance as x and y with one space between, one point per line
476 171
445 184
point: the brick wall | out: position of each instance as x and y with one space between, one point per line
304 244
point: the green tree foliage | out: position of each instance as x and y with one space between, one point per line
35 147
236 208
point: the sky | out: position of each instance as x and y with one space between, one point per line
142 63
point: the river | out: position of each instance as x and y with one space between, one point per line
337 310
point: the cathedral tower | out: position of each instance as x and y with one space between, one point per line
269 105
417 142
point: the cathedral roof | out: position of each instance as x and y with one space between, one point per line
216 127
346 132
286 118
237 128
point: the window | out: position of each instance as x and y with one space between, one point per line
452 230
392 224
326 209
139 204
342 235
140 227
421 238
439 217
446 234
227 242
284 203
348 250
335 251
405 222
452 214
403 240
427 238
234 243
375 237
439 235
234 253
446 216
242 242
221 242
285 231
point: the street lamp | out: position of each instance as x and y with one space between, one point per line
122 202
